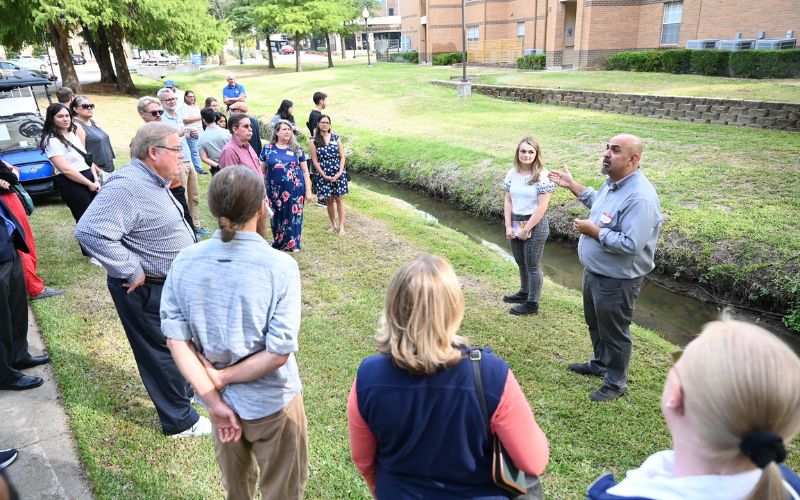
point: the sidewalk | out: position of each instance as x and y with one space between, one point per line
34 422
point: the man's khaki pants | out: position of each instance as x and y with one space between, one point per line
273 453
188 177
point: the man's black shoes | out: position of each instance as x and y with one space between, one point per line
7 457
21 384
584 369
31 362
605 394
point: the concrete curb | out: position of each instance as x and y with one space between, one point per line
34 421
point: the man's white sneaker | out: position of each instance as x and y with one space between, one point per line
201 428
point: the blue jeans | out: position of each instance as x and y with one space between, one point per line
192 141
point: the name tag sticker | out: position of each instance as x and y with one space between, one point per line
605 218
290 153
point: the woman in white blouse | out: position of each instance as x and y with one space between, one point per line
528 192
76 176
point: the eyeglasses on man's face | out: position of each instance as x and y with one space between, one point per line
171 99
175 150
157 112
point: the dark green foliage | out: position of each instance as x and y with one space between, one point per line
766 63
447 58
710 62
412 57
644 61
532 61
676 61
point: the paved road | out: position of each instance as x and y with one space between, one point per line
35 423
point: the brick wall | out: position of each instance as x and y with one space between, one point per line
769 115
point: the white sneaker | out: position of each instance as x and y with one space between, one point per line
95 262
201 428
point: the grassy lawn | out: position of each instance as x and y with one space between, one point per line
726 192
716 184
629 82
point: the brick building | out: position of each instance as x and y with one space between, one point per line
583 33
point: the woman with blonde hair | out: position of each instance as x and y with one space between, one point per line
731 403
416 426
528 192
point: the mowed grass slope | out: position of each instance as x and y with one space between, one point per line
344 282
728 194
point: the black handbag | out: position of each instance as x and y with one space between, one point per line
504 473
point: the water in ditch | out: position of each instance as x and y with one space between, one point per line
674 316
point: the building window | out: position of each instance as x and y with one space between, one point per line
671 30
391 11
521 30
473 35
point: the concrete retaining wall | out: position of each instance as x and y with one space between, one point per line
769 115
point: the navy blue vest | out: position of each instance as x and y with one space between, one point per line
432 439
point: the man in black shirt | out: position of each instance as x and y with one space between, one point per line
320 102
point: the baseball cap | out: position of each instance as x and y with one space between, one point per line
169 84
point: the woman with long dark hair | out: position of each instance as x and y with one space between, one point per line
328 159
76 175
285 113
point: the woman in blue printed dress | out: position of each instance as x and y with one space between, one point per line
288 186
327 157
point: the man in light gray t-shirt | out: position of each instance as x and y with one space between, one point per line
212 140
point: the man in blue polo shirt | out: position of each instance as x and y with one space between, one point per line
617 247
233 95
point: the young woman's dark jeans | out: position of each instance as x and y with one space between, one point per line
528 254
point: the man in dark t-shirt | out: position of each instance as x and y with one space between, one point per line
320 102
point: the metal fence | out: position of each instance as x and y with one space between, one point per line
505 51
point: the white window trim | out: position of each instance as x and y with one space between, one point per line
664 24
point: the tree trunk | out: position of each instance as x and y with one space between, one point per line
271 64
59 36
98 42
355 42
328 43
124 81
222 57
341 45
297 67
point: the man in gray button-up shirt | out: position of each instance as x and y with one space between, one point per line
616 247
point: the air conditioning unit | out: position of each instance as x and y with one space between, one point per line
774 44
737 44
701 44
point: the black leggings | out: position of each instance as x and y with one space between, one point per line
75 195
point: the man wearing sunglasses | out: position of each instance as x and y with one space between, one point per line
187 175
150 110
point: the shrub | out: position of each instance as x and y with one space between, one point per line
710 62
765 63
532 61
644 61
412 57
676 61
447 58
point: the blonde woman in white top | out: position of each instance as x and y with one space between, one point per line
528 192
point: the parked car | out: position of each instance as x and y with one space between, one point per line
9 67
30 62
20 129
286 49
78 59
159 58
